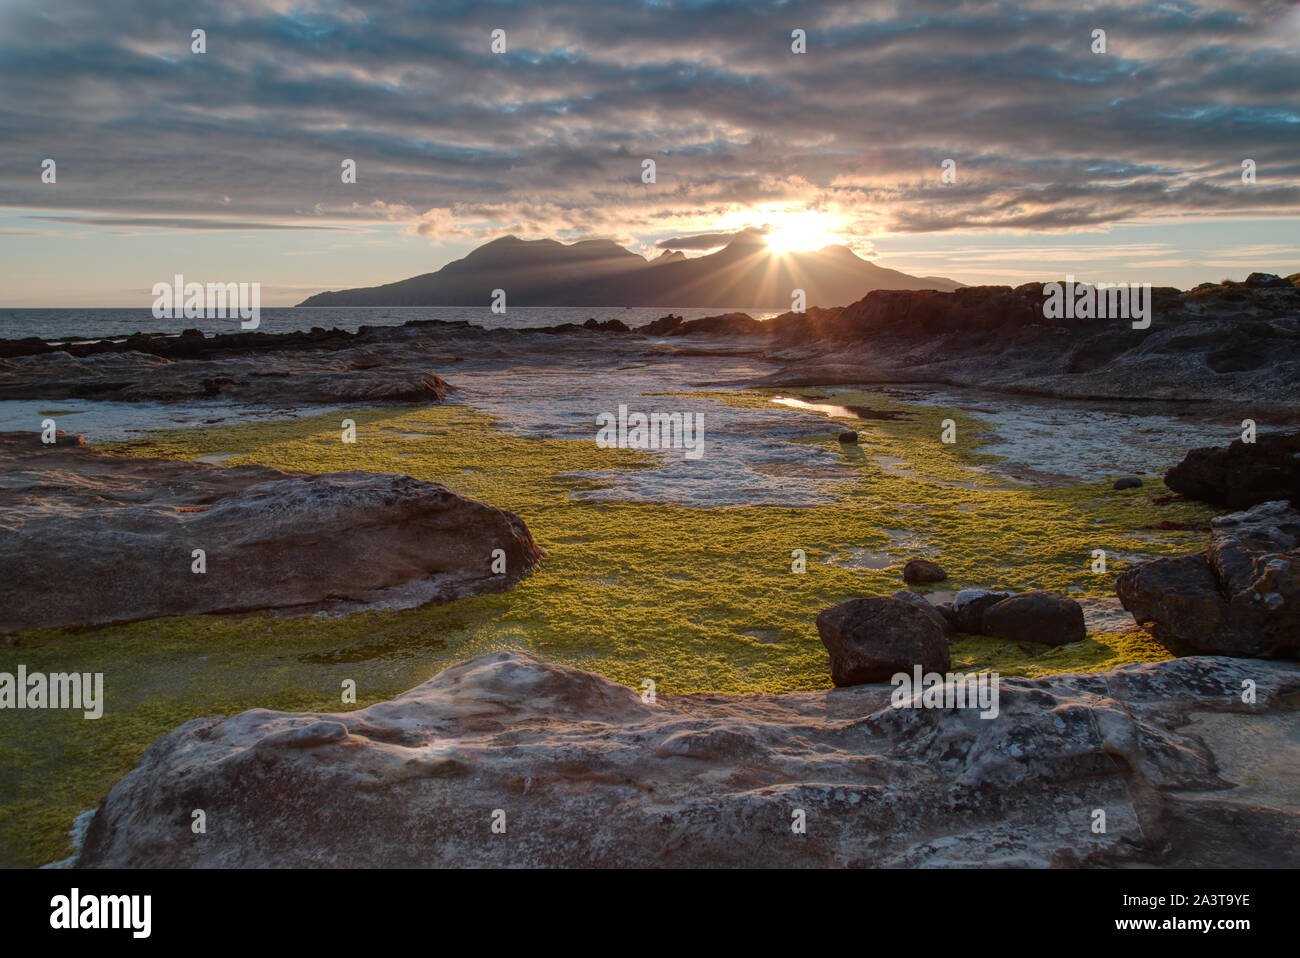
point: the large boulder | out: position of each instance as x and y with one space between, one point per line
88 538
1035 617
871 640
1239 597
1186 772
1242 474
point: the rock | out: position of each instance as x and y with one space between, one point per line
945 610
968 609
1047 617
924 605
1240 597
1129 482
1233 343
870 640
317 377
923 570
1167 749
848 438
1242 474
1266 280
90 538
661 326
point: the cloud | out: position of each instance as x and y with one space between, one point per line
176 223
453 141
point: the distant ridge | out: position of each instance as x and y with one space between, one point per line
545 272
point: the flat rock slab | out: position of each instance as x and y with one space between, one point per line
89 538
297 378
583 773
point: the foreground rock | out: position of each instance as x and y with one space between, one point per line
587 775
1239 597
1241 474
870 640
88 538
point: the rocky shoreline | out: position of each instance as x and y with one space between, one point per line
582 770
1234 342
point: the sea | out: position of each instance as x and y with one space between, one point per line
80 324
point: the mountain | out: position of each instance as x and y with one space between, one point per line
744 273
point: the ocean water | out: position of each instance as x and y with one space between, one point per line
60 324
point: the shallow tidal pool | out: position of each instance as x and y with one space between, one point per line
699 599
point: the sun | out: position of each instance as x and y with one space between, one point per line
796 232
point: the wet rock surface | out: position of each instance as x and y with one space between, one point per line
319 376
586 774
1239 597
89 538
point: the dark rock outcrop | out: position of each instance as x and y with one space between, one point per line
91 538
1242 474
1186 772
1222 342
870 640
1240 597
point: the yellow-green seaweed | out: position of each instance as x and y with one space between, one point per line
700 600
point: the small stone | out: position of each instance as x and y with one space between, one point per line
849 438
923 570
1128 482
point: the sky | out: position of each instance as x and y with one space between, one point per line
226 165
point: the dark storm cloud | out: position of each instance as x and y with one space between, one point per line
550 136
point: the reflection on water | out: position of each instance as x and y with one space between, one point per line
839 412
826 409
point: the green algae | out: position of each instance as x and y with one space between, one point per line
700 600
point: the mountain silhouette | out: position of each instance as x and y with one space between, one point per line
744 273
